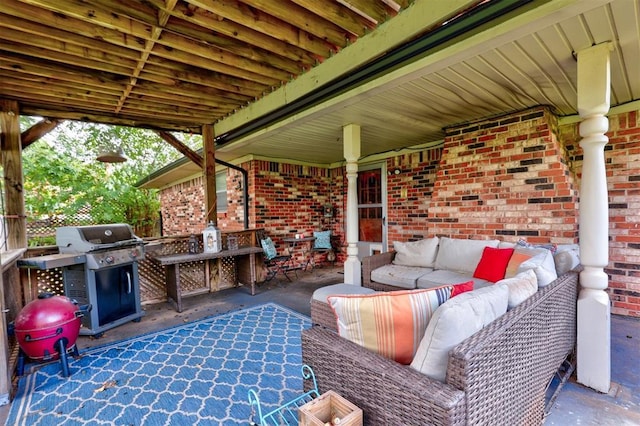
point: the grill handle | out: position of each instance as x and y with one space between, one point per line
128 283
28 337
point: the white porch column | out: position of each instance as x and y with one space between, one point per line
351 141
594 334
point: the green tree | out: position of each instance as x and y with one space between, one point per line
62 176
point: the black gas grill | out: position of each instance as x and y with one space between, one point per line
102 270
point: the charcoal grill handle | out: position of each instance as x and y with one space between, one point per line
128 282
28 337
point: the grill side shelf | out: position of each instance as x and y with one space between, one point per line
52 261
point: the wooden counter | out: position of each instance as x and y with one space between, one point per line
172 264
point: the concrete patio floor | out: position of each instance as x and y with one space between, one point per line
575 404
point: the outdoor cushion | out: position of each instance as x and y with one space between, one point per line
399 276
416 253
455 254
519 255
389 323
323 239
542 264
566 258
322 293
521 287
493 264
461 288
443 277
269 248
456 320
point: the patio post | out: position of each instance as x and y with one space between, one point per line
351 141
594 322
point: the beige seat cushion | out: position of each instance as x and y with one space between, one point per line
398 275
442 277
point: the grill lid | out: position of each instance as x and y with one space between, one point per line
83 239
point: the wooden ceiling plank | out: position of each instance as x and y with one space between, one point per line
71 41
233 31
59 20
211 65
44 53
376 10
308 21
171 97
196 92
52 100
135 101
41 83
18 64
172 76
276 59
170 113
141 106
338 14
32 87
237 12
223 57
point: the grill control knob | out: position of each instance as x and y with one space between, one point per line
134 253
109 260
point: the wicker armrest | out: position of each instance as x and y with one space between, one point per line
375 261
387 392
514 358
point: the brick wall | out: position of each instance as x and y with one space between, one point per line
505 179
622 156
183 207
409 194
289 199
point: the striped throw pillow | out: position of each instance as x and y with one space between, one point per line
391 324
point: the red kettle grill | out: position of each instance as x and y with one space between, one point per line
47 329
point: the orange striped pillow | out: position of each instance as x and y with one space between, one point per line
389 323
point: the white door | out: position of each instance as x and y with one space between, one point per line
372 209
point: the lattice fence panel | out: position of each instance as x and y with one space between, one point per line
227 273
49 281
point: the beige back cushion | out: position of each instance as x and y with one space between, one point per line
459 255
454 321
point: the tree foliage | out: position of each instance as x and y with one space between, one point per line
62 176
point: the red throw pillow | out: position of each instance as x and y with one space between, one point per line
493 264
461 288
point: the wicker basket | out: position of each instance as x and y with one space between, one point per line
327 406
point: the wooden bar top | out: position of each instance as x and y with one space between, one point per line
172 259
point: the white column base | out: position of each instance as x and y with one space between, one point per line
594 339
353 267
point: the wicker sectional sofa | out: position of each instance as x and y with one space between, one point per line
499 375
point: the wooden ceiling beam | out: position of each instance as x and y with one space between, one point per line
76 114
38 130
60 90
182 148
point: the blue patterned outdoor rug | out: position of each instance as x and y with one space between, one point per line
194 374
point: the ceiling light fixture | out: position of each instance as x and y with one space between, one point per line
112 156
